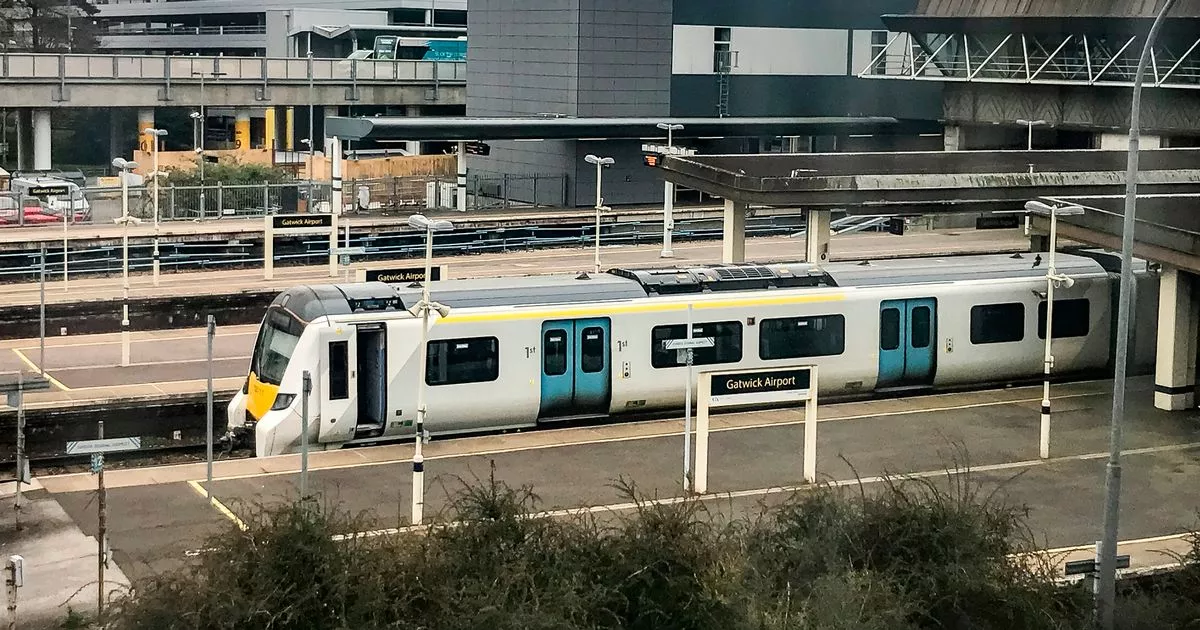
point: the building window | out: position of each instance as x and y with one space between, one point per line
879 41
1072 318
997 323
339 370
456 361
727 344
796 337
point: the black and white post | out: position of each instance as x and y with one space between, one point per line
421 222
125 167
668 195
306 390
208 433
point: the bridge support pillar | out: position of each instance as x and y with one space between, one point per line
413 146
460 184
289 129
733 242
952 138
1175 372
41 139
241 129
1039 242
24 140
816 234
145 120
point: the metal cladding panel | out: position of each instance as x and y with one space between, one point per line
1048 8
957 269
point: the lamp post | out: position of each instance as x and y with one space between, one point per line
1106 596
1053 279
157 133
421 222
600 163
202 118
668 195
125 166
1030 124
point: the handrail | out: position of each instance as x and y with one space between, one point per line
188 69
232 29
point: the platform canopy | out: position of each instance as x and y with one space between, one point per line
425 128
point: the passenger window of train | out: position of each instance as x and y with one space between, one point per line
456 361
920 327
997 323
591 350
795 337
1072 318
554 344
339 370
727 344
889 329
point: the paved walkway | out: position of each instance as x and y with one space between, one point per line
851 246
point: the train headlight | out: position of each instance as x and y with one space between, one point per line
282 401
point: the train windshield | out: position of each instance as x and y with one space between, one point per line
277 339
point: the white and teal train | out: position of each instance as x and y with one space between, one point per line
519 352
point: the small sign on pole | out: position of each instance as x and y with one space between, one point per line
295 224
104 446
757 387
400 275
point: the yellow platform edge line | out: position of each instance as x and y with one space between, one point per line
33 366
216 503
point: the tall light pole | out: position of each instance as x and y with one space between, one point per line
1106 596
422 308
1053 279
668 195
156 134
125 167
600 163
202 117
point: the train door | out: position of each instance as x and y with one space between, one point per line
576 368
336 402
372 379
907 334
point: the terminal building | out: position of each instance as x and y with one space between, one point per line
679 58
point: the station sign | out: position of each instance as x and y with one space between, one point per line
401 275
761 386
104 446
477 148
48 191
281 222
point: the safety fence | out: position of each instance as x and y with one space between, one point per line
500 190
90 259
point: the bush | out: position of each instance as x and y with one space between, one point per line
913 555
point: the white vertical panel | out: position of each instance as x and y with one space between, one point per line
790 51
692 49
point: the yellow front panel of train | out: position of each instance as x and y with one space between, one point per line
260 396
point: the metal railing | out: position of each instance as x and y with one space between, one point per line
176 69
500 190
237 29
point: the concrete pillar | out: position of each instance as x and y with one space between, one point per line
412 146
460 190
24 140
816 235
41 140
114 134
733 243
1120 142
1039 242
1175 371
952 137
241 130
145 120
289 129
270 130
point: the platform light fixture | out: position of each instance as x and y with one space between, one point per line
668 194
422 308
1053 280
125 167
600 163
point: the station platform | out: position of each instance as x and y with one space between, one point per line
566 260
159 517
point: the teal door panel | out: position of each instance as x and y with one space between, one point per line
558 375
907 342
593 369
920 341
892 324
